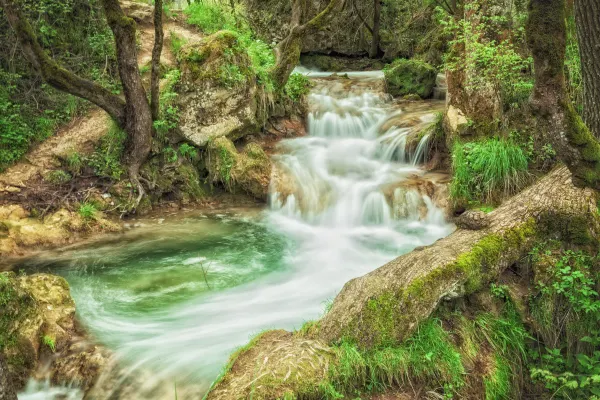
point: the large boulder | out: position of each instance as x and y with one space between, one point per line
217 93
248 171
410 77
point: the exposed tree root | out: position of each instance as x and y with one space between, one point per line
385 306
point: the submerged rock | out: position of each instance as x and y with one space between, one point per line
217 91
410 77
248 171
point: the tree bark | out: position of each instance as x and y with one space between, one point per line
386 306
54 74
587 17
374 52
159 37
556 117
138 123
7 390
289 49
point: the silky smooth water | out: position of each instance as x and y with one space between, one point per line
172 300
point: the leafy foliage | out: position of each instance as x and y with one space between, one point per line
494 57
297 86
106 159
568 297
486 170
75 33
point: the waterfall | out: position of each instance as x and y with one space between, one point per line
174 300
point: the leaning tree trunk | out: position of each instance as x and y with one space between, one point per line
289 49
587 17
7 390
385 306
138 123
556 116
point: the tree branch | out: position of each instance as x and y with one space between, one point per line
362 19
56 75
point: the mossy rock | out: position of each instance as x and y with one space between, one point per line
248 171
217 92
410 77
34 309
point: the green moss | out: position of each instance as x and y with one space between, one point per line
406 77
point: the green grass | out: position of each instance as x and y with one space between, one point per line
487 170
428 356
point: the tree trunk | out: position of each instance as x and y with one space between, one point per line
133 114
587 17
289 49
563 127
374 52
159 37
138 123
7 390
387 305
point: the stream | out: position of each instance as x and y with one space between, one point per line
172 299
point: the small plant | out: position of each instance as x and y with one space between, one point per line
297 86
48 341
177 43
57 177
88 211
189 152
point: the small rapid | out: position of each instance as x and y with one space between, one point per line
174 299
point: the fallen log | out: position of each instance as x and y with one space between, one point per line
385 306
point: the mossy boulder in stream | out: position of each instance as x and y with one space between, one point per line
248 171
217 91
409 77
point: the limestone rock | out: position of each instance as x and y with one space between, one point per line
140 12
410 77
217 92
248 171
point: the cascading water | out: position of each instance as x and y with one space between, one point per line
173 300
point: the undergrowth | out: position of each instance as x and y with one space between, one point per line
487 170
567 310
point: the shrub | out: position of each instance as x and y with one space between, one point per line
487 170
297 86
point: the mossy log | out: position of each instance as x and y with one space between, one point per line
385 306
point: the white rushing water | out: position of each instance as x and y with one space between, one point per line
338 198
